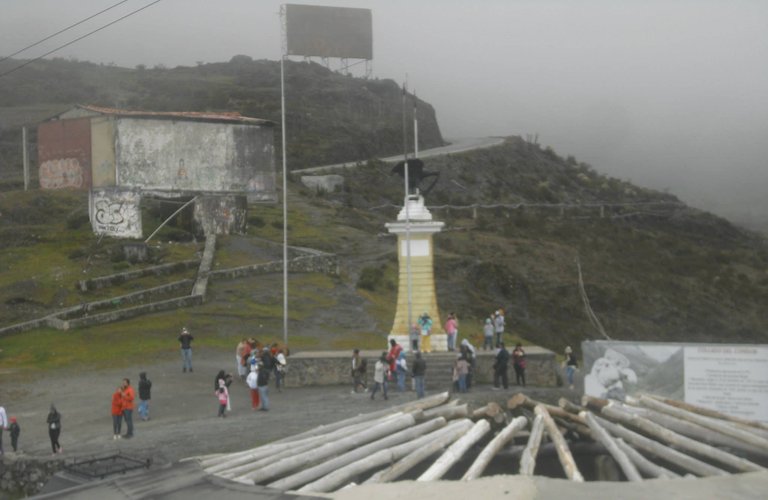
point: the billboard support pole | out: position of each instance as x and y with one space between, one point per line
285 193
415 129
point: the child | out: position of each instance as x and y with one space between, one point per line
117 412
15 431
223 396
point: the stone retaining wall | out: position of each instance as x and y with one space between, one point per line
118 278
324 263
23 327
130 298
310 369
23 476
132 312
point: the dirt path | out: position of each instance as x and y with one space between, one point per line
183 410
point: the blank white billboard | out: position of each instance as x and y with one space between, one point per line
329 31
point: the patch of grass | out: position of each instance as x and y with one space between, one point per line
358 340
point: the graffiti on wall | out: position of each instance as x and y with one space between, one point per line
116 213
61 173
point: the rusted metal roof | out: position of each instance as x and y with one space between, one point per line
229 117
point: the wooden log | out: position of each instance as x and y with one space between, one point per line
308 475
498 442
448 412
491 411
707 412
563 453
701 433
601 435
521 399
323 432
419 404
682 460
271 452
569 406
719 426
643 464
406 463
594 404
568 426
515 452
454 453
528 459
678 440
288 464
381 458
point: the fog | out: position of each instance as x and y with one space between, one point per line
668 94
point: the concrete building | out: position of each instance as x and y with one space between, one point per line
223 160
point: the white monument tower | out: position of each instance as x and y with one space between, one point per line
416 283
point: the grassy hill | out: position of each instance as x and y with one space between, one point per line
518 217
653 268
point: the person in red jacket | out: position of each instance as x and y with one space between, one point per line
128 398
117 412
394 352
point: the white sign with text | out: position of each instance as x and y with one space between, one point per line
730 379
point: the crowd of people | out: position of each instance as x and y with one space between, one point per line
256 364
392 365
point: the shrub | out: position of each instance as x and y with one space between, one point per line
77 253
256 221
76 221
370 278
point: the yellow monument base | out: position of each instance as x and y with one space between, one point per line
414 232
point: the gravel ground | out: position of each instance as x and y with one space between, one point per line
183 410
184 424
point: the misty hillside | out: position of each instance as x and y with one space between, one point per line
331 117
518 219
653 268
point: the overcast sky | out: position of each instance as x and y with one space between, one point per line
668 94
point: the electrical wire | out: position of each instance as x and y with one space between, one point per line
78 39
61 31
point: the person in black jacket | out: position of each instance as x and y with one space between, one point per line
500 367
185 339
419 369
145 394
54 429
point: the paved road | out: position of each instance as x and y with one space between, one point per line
456 146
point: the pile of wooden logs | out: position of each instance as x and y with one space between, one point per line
647 437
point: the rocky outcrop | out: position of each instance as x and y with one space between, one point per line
25 476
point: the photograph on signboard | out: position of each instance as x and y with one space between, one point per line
616 369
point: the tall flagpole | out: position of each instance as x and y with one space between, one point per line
285 190
407 220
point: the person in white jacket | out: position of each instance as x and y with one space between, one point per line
3 425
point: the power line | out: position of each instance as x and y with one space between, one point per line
78 39
61 31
